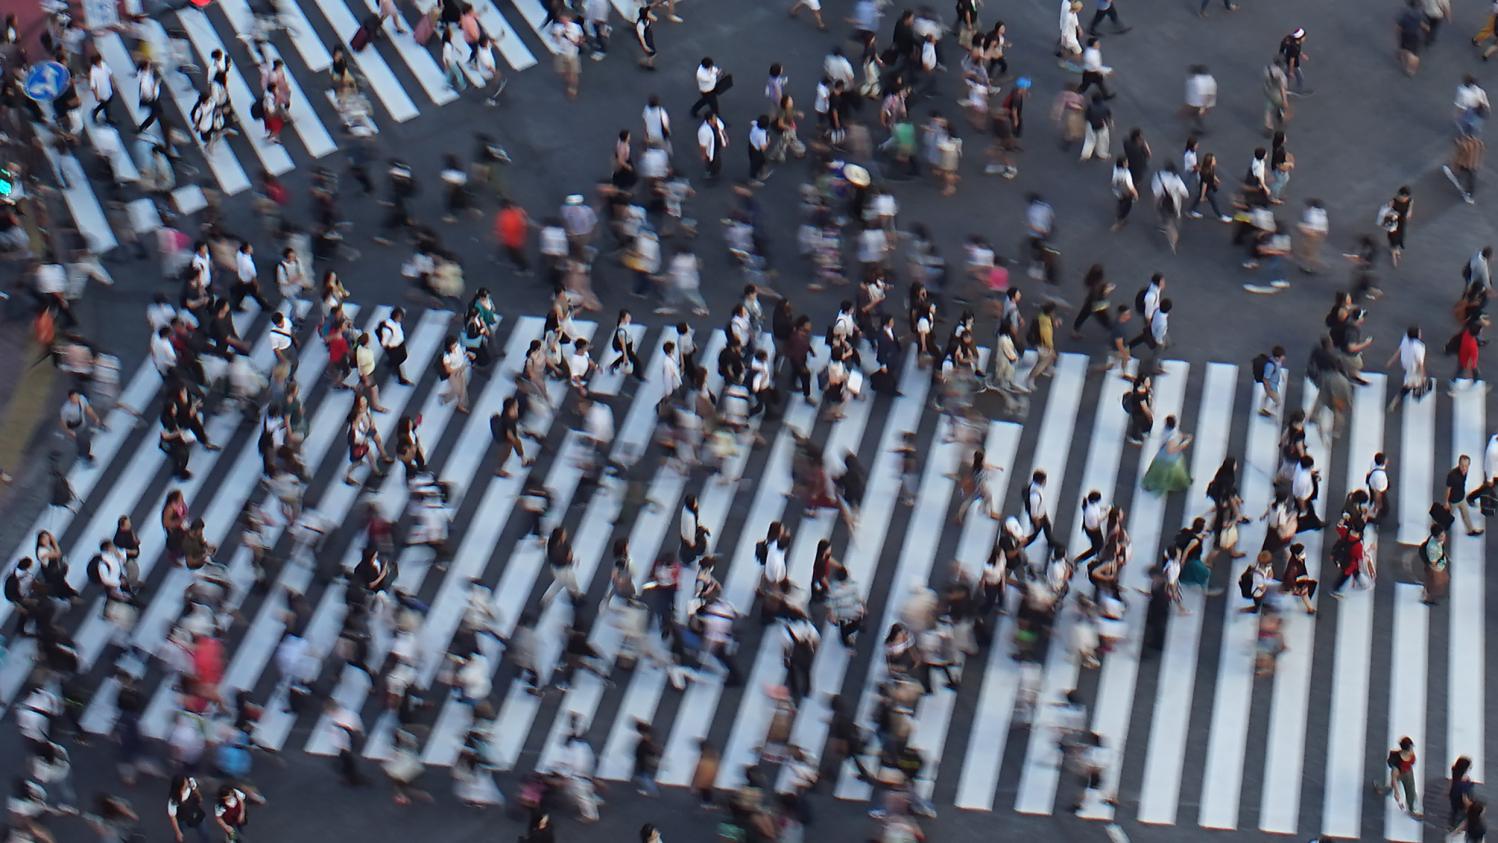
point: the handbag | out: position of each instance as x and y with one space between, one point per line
725 83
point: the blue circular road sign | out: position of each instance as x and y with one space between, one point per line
45 81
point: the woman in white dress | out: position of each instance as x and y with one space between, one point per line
1069 45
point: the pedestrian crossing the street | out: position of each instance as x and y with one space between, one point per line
399 76
1196 734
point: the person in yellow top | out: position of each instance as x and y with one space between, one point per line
1043 337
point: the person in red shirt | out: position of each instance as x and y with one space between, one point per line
1467 345
1401 762
511 226
339 358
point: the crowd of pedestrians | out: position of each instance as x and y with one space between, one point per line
872 125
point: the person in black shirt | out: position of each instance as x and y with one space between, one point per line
1456 493
1292 50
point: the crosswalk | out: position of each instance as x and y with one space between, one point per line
397 74
1194 737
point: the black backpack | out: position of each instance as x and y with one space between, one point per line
1139 299
1257 367
95 572
1246 583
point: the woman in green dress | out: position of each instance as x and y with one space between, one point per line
1167 472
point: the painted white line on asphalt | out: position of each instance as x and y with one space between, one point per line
458 470
1113 708
472 557
1464 732
1222 778
1342 807
980 769
242 98
862 556
230 176
1166 753
1407 699
386 87
304 119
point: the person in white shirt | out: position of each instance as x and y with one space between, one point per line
1311 232
455 367
815 6
149 83
1201 96
1094 513
1171 194
837 68
712 137
1093 70
1123 191
202 267
281 339
1036 512
670 377
109 571
1411 357
392 335
579 366
709 77
1069 39
657 124
1159 328
759 147
101 84
568 39
452 60
1479 269
684 284
247 283
1378 487
206 120
163 353
489 68
694 534
291 277
597 13
1470 95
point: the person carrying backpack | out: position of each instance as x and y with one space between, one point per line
1269 372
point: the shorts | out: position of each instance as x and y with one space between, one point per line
814 5
566 64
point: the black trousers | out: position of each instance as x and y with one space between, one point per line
1094 544
154 114
103 108
394 357
1090 78
708 100
242 290
1111 13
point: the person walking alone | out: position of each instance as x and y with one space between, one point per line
1401 764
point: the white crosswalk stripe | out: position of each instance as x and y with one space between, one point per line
985 742
305 64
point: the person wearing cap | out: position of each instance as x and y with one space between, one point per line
579 221
1292 50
